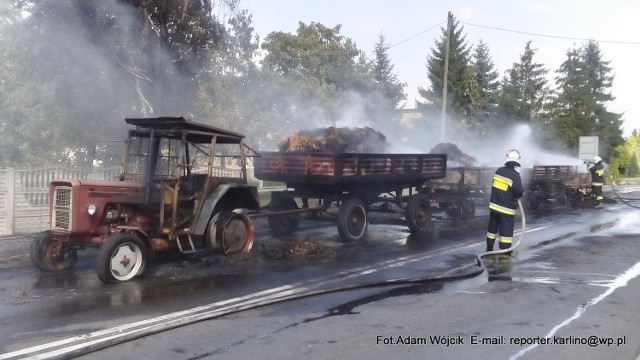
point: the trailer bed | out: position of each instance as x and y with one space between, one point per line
467 177
336 169
554 173
463 187
353 182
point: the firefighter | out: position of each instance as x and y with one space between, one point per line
505 190
597 180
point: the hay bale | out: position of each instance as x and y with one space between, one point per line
454 154
336 140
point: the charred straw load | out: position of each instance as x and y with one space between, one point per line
359 140
454 154
336 140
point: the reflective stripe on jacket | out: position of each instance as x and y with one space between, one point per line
597 174
505 190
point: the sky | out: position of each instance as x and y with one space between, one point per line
411 28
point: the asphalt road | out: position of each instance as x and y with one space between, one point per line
570 290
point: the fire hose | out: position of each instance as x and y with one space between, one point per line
624 201
92 344
514 245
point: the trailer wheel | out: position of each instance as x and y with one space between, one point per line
48 254
418 213
532 201
230 233
121 258
352 220
468 209
283 225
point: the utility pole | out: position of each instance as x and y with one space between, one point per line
445 77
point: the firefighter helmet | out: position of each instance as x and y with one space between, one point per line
513 155
597 159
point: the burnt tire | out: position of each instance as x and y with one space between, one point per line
352 220
230 233
44 250
283 225
122 257
531 202
418 213
467 209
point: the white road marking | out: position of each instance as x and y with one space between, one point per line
103 338
619 281
100 339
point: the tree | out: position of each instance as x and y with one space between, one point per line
327 80
634 167
93 62
229 83
486 78
380 89
524 89
584 81
316 51
387 83
624 160
27 111
459 89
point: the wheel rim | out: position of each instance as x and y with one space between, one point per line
52 249
234 236
422 215
126 261
356 221
238 235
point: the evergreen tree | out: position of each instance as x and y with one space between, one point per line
461 86
486 78
380 91
584 81
524 89
387 83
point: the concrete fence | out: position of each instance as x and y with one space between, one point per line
24 194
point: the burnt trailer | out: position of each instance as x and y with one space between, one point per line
350 181
552 185
461 190
579 191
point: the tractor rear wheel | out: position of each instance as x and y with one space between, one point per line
230 233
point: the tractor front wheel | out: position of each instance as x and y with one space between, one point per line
49 254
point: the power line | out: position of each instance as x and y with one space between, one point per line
416 35
517 32
551 36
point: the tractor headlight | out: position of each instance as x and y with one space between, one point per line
92 209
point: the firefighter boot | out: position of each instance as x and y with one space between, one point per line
490 244
504 245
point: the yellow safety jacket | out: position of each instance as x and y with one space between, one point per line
505 190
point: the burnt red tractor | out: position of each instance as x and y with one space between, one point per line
183 186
